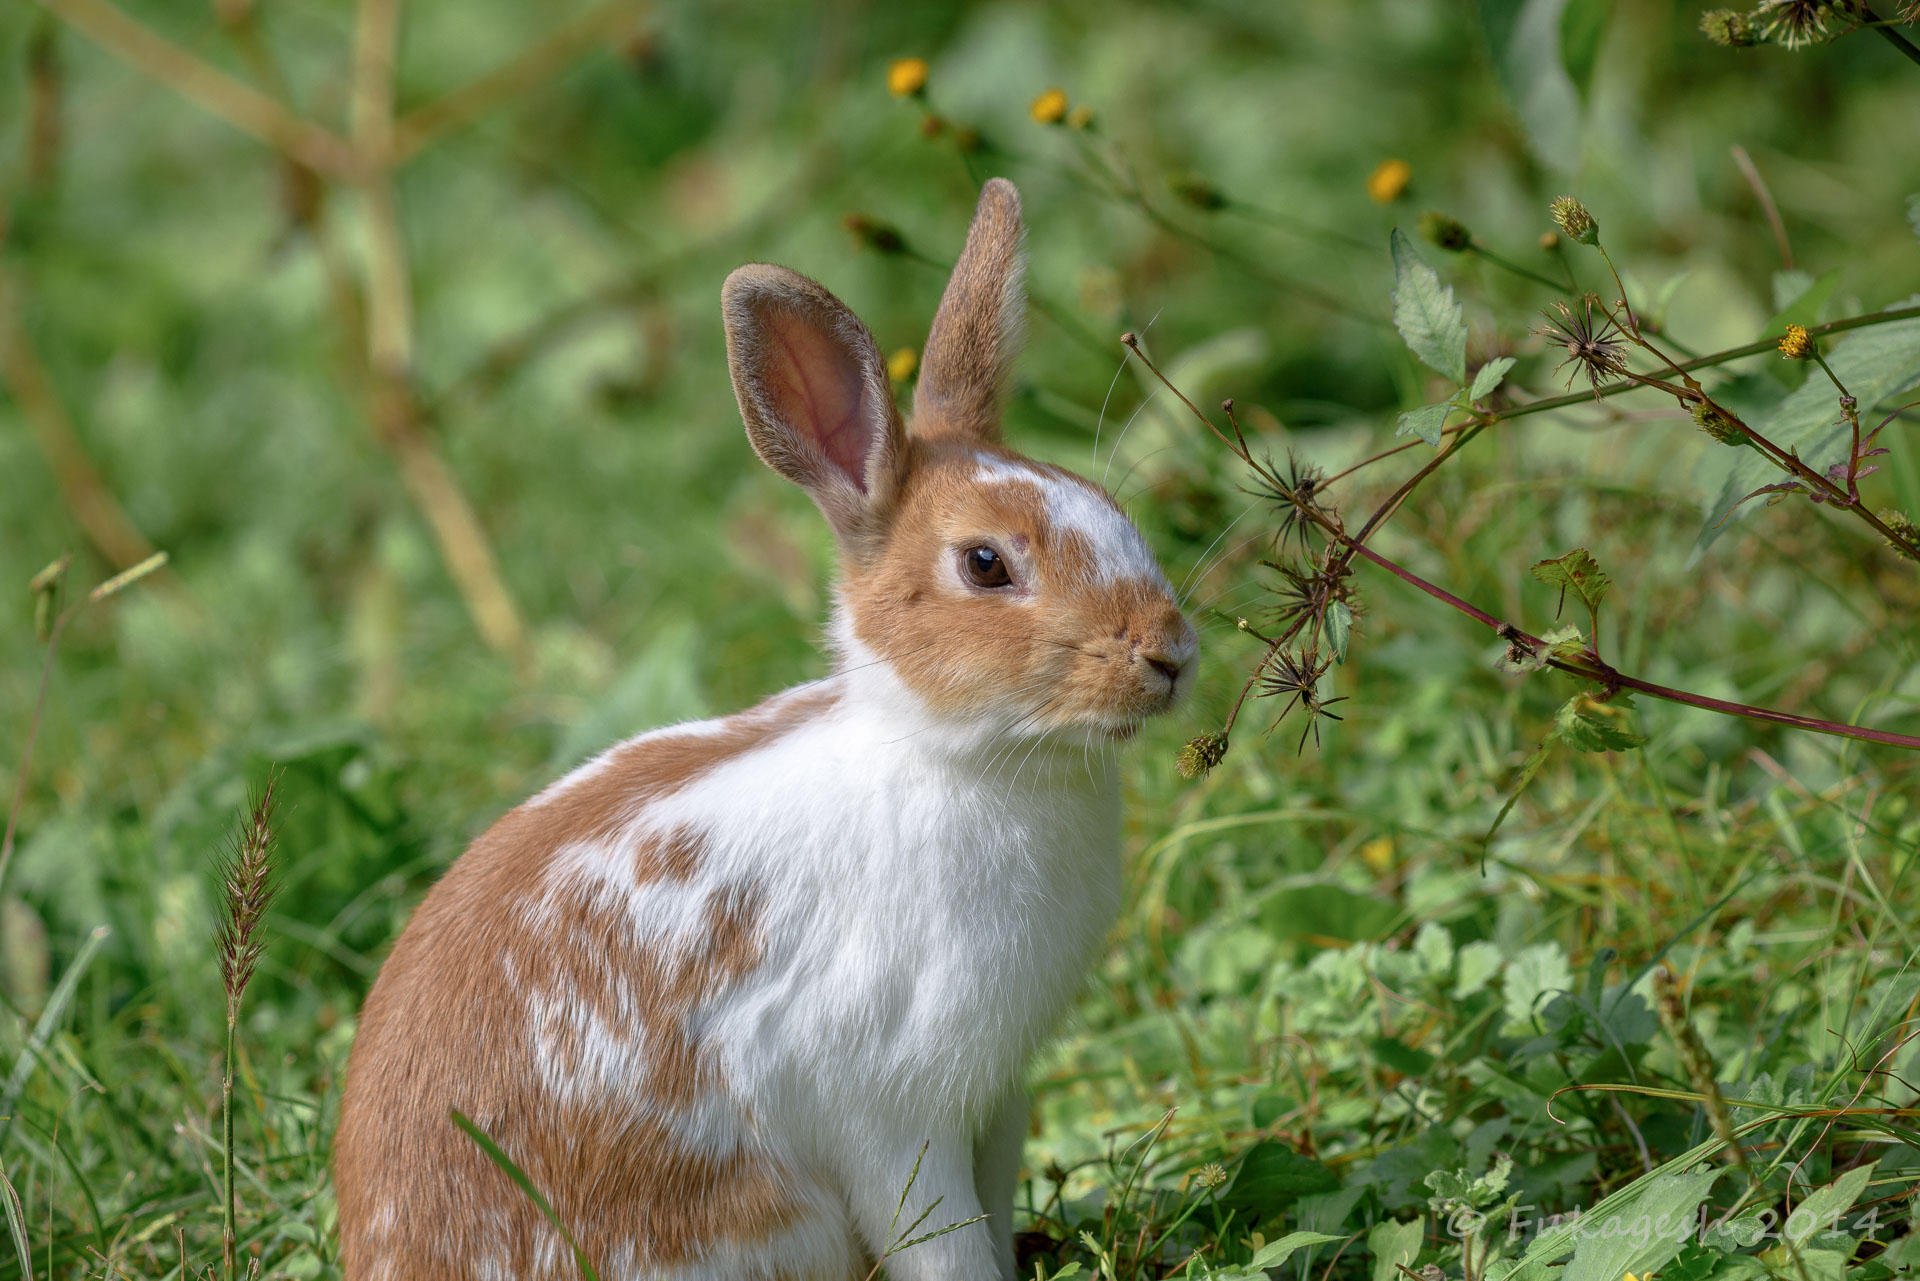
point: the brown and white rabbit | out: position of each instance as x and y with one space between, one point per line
714 990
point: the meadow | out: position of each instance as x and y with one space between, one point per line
1455 945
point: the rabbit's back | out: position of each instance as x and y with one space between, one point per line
556 987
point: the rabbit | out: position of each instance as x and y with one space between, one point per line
720 991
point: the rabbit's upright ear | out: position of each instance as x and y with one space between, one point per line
814 394
978 327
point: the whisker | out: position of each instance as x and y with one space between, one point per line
1188 580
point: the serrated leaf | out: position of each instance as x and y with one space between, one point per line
1275 1253
1426 313
1576 572
1873 363
1588 725
1339 628
1424 422
1565 642
1535 971
1489 376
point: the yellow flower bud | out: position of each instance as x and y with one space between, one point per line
906 77
1798 344
1388 181
1050 108
902 363
1080 118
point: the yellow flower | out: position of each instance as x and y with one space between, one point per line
1080 118
1798 344
902 363
1377 854
906 77
1050 108
1388 182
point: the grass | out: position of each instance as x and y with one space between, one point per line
1332 1007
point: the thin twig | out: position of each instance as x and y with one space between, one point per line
240 105
1767 207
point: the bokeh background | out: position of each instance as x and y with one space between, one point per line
448 468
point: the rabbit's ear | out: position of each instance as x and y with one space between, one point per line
978 327
814 394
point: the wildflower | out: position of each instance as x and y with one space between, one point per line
1080 118
1729 27
1717 423
907 77
1198 757
871 233
1445 231
1198 192
1798 344
1795 22
1050 108
902 363
1211 1175
1572 217
1593 344
1388 181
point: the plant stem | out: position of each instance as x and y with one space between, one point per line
228 1238
1474 246
1894 38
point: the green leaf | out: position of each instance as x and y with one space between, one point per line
1528 46
1401 1057
1534 972
1339 629
1528 769
1576 572
1804 302
1424 422
1425 312
1479 962
1271 1175
1582 27
1393 1246
1645 1231
1589 725
1274 1253
1489 376
525 1184
1821 1211
1873 363
16 1224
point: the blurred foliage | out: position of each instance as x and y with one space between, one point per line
1340 988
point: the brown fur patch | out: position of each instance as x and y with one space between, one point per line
447 1027
977 328
1066 647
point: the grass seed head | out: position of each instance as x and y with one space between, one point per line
248 886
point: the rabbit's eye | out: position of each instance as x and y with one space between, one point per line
985 567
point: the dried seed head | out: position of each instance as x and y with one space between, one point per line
1796 22
1572 217
1592 342
907 77
1717 423
1729 27
1388 181
1050 108
871 233
1798 344
1198 757
1446 231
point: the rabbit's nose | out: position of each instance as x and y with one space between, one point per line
1167 667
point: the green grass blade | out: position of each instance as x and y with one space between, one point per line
16 1224
49 1021
514 1172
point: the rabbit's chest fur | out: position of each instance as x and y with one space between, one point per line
925 909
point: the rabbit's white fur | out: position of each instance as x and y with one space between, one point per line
784 952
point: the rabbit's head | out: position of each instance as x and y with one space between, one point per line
1005 593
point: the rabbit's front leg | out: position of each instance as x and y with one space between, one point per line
996 1169
881 1170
